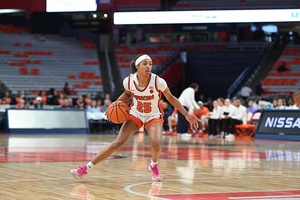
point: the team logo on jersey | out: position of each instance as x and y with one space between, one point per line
151 91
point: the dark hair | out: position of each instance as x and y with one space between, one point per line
132 64
221 99
194 85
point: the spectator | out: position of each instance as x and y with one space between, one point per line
79 100
94 113
167 113
66 89
44 97
66 104
99 96
201 98
284 103
27 105
262 106
252 108
210 104
38 103
282 68
201 114
61 99
246 92
238 117
258 89
213 119
18 97
54 97
280 105
71 102
4 102
88 99
107 96
226 116
7 97
187 99
42 37
99 103
257 100
292 104
81 105
105 106
21 104
172 119
34 99
275 103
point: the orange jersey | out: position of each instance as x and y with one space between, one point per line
88 101
61 102
203 111
44 100
18 99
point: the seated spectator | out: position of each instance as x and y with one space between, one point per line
280 105
172 119
94 113
18 97
256 101
33 102
105 106
54 97
238 117
99 96
27 105
210 104
221 107
66 89
44 97
99 103
71 102
107 96
79 100
3 102
81 105
292 104
61 99
88 99
213 119
201 114
38 103
21 104
7 98
274 105
167 113
228 111
282 68
252 108
66 104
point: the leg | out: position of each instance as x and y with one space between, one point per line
226 123
220 124
154 131
233 122
127 130
214 123
210 125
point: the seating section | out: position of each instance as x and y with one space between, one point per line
30 64
234 4
284 82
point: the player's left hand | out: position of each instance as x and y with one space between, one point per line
193 120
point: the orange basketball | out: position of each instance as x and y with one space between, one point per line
117 112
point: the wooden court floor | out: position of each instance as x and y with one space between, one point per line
38 167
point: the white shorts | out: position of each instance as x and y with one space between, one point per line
141 120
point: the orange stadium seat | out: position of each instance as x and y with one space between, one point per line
247 131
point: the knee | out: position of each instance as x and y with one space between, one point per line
156 145
118 144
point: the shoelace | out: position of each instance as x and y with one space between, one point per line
154 169
81 171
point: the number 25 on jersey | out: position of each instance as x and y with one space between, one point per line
144 107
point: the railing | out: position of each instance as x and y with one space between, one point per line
111 81
248 71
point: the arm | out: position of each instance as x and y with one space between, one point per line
174 101
125 96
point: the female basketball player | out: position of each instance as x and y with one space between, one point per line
145 89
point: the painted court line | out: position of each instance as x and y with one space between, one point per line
264 197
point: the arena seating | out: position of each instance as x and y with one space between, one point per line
288 81
29 64
235 4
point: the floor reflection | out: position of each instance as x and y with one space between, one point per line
82 192
155 189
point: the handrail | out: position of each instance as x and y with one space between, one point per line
238 83
109 70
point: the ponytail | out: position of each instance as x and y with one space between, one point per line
133 68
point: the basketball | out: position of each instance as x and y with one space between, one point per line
117 112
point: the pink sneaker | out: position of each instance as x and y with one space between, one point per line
156 175
79 173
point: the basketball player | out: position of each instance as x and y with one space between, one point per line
145 89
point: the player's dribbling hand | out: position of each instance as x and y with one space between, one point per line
193 120
296 97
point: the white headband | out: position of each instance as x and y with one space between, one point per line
141 58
